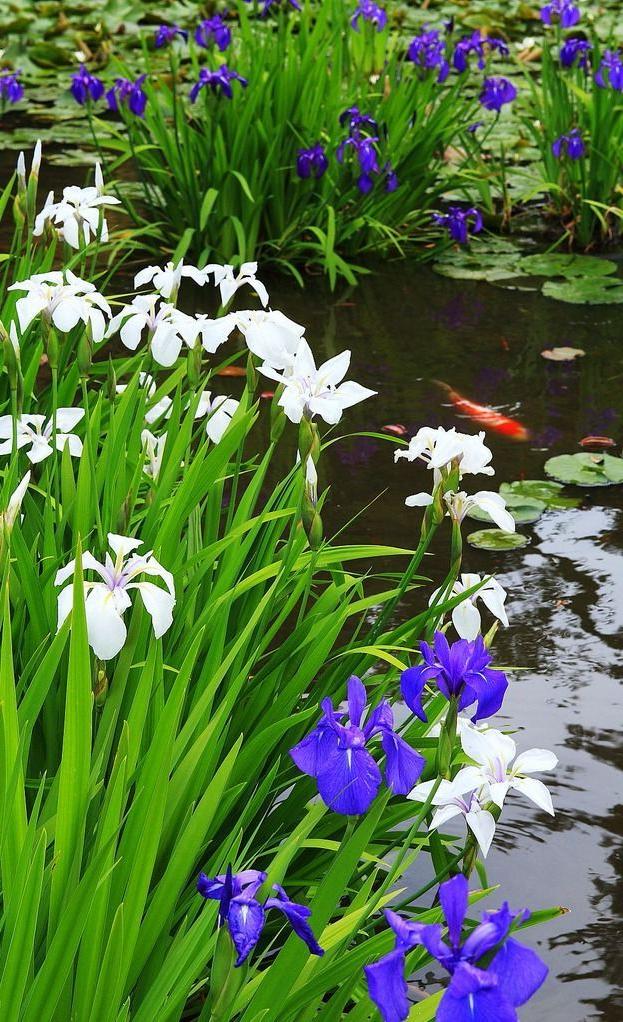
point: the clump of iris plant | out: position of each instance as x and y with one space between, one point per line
562 12
219 82
363 147
245 916
491 973
610 71
167 34
462 674
428 52
131 94
460 222
312 162
85 86
367 10
575 53
496 93
336 754
481 46
570 144
213 31
11 89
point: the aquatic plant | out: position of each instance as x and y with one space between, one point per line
147 741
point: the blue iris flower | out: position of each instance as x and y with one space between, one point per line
85 86
367 10
571 145
485 992
213 30
335 753
496 92
312 162
459 222
11 89
428 51
475 43
166 34
244 915
563 11
218 81
129 93
461 671
610 71
575 52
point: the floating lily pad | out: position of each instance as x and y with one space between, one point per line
551 494
525 510
496 539
586 290
479 267
561 265
586 469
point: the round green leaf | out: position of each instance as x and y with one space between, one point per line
586 290
561 265
586 469
525 510
549 493
496 539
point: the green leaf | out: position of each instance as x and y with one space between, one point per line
584 469
586 291
496 539
549 493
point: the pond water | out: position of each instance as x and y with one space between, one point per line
408 327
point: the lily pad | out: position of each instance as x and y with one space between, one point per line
586 290
496 539
551 494
479 267
525 510
561 265
586 469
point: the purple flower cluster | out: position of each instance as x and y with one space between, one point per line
85 86
218 81
610 71
428 52
459 222
166 34
245 916
126 92
571 145
496 92
269 3
364 148
461 672
312 162
336 755
563 12
575 52
11 89
367 10
491 973
213 31
481 46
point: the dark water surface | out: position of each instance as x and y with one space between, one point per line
405 327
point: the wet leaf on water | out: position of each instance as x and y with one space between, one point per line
477 267
496 539
549 493
563 265
524 509
586 290
586 469
562 354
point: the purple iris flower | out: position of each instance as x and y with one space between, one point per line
610 71
367 10
128 92
312 162
85 86
496 92
571 145
391 178
563 11
269 3
335 754
219 81
213 30
428 51
489 992
356 120
245 916
11 89
365 150
575 52
461 671
475 43
459 222
166 34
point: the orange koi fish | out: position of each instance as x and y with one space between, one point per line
485 416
